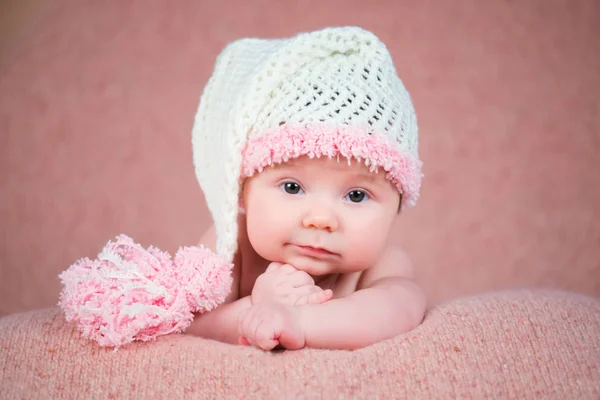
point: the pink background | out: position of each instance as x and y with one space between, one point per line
97 103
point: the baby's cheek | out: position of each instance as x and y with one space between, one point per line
266 238
261 239
367 250
363 258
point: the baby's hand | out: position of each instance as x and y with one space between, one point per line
268 324
285 284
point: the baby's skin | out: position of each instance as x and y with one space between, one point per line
314 266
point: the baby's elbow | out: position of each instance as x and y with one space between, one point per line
400 310
416 312
411 310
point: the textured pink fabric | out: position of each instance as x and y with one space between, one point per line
96 112
506 345
97 105
287 142
131 293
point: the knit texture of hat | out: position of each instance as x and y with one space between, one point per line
333 92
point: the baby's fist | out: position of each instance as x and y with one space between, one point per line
285 284
266 325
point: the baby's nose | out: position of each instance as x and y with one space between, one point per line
321 217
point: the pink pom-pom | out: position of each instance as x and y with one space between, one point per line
130 293
207 275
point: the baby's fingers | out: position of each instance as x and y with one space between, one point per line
321 297
243 341
301 278
264 339
317 297
300 296
248 323
273 266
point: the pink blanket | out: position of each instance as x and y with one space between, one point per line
515 344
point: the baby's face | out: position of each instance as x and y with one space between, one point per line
320 215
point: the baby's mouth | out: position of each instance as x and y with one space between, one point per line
314 251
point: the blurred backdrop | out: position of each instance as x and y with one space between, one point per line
97 101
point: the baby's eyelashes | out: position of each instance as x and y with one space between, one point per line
353 196
291 188
357 196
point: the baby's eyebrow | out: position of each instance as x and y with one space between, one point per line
361 175
366 176
286 165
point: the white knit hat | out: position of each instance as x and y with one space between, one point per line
332 92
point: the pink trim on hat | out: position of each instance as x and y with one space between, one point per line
286 142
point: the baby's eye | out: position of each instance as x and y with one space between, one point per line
291 187
357 196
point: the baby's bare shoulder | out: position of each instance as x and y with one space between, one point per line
394 263
397 262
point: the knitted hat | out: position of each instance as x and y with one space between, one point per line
332 92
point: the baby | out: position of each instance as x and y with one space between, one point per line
306 151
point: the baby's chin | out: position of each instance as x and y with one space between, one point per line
318 268
313 267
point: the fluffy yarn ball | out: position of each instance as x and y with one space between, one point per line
130 293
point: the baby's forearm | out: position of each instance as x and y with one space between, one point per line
363 318
221 323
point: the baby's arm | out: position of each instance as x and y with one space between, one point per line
221 323
279 283
387 303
